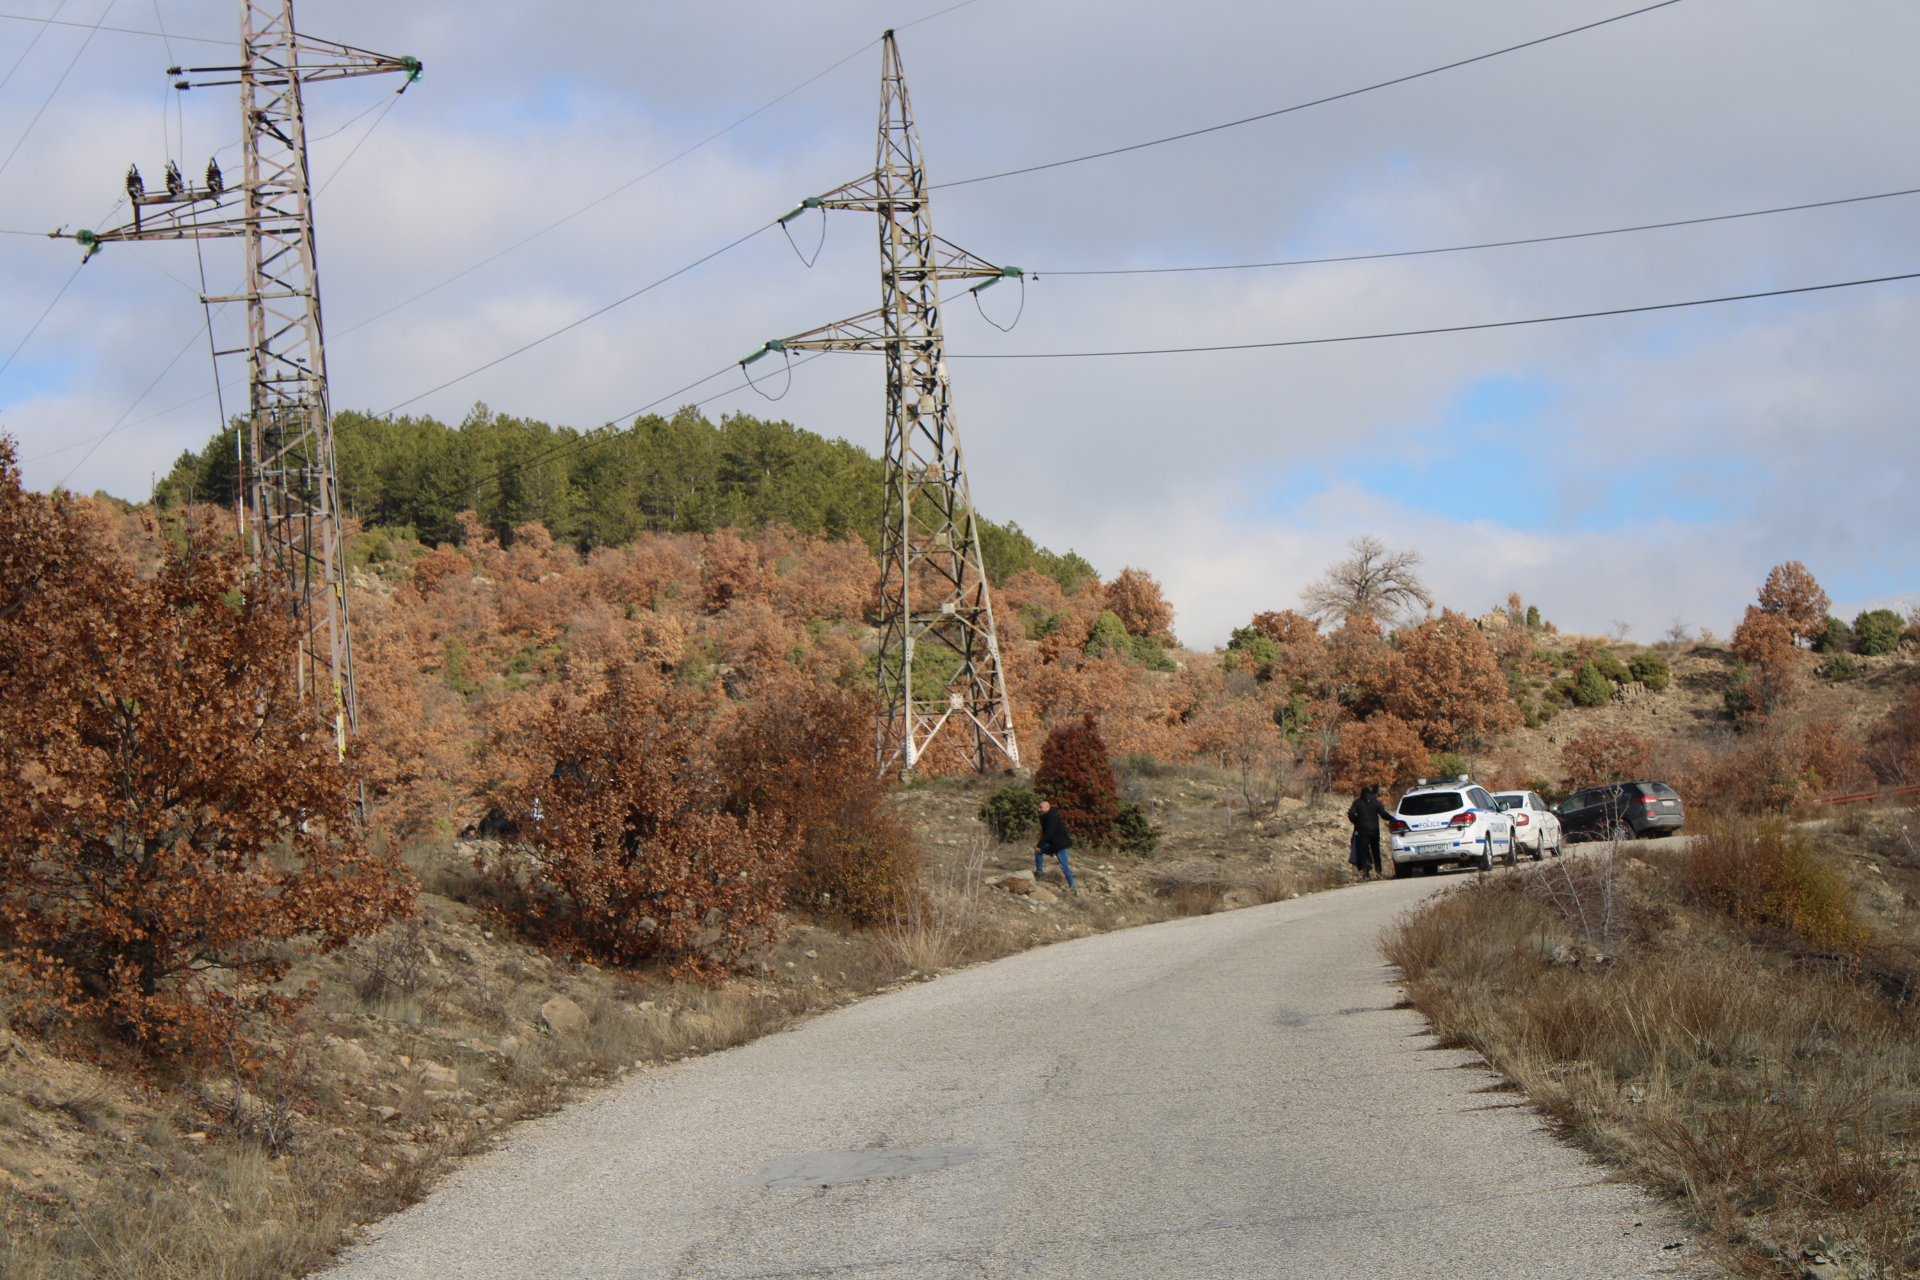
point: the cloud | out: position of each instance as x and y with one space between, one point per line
1629 469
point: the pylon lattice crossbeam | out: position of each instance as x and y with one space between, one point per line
941 676
290 484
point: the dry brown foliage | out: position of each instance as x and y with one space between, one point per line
181 826
1135 598
1382 752
1791 594
1600 755
805 758
624 853
1446 683
1076 777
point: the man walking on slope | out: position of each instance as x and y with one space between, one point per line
1365 814
1055 840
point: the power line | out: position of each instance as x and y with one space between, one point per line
1455 328
126 31
631 182
1487 244
1302 106
195 337
391 99
22 139
8 362
575 324
44 24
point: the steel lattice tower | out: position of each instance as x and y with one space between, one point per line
940 667
290 489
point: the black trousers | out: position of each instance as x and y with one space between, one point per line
1370 850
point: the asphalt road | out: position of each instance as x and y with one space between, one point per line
1222 1096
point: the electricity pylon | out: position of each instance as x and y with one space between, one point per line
290 491
940 667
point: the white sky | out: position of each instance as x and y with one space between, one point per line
1634 469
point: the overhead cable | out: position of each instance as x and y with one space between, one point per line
44 23
1302 106
575 324
48 101
35 327
125 31
1486 244
594 204
1454 328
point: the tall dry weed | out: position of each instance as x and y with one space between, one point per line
1764 874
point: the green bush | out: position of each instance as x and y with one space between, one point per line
1011 813
1143 764
1611 667
1448 765
1840 666
1591 687
1258 647
1877 631
1652 672
1838 637
1109 636
1134 832
1533 617
1739 696
1150 654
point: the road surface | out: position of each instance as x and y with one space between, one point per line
1222 1096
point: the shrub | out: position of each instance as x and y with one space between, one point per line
1135 832
1533 617
1652 671
1445 681
1109 637
632 856
1598 755
804 758
1878 631
1257 649
1837 638
1590 686
174 810
1381 752
1011 813
1447 765
1763 874
1739 695
1611 667
1840 666
1076 778
1151 654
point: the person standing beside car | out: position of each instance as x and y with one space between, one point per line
1053 840
1365 814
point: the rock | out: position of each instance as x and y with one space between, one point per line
811 955
349 1059
1019 882
563 1016
438 1076
1041 893
1565 954
385 1113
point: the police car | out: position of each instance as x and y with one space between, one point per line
1455 822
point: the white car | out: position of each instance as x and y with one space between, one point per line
1536 827
1450 822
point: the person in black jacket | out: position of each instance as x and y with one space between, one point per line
1055 840
1365 814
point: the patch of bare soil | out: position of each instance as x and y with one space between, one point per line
429 1041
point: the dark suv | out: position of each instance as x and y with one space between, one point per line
1623 811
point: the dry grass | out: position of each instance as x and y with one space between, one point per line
1779 1100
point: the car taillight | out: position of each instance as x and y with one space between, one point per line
1649 801
1396 826
1521 819
1462 819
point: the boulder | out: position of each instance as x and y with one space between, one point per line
1019 882
436 1076
349 1059
1040 893
563 1016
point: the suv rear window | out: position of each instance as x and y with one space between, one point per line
1430 802
1664 791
